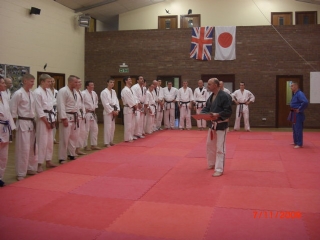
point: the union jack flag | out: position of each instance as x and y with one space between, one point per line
201 43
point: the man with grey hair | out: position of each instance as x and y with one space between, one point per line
68 116
45 121
23 108
6 127
7 92
219 107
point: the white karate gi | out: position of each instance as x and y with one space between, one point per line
7 94
160 109
129 101
185 97
44 138
140 94
54 100
169 106
109 102
200 98
22 104
66 102
6 122
150 100
82 130
242 108
90 104
226 90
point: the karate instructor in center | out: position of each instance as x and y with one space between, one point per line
219 106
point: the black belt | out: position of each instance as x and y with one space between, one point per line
130 107
168 102
7 127
76 120
114 109
185 103
202 105
52 123
34 129
93 114
240 109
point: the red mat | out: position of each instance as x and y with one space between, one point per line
159 188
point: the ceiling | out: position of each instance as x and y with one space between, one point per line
106 10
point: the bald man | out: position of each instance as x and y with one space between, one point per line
223 88
7 92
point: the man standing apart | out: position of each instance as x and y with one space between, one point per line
6 127
219 106
242 98
185 99
22 106
140 93
68 114
129 109
200 97
169 94
298 104
159 115
111 110
90 99
45 121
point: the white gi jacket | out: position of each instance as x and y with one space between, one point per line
129 100
200 97
139 93
151 101
169 97
109 101
66 102
23 104
5 119
185 96
44 102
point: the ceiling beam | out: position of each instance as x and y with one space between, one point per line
94 6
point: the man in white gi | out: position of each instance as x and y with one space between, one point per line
200 97
81 131
45 121
185 99
6 127
54 100
111 110
223 88
242 98
22 106
129 110
90 99
68 115
7 92
159 103
219 107
151 108
169 95
140 92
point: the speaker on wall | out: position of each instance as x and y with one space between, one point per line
35 11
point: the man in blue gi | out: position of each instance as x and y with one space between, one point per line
298 104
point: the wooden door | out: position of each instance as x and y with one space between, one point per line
309 17
168 22
284 95
58 77
118 86
189 21
281 18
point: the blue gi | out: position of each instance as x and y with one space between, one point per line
298 102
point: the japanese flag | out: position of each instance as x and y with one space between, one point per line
225 38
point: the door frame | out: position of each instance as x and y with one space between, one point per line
58 85
278 93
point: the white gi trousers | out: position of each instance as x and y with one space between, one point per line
44 142
129 123
150 123
245 114
159 117
216 149
4 148
68 140
201 123
109 127
92 130
185 114
139 121
82 133
25 154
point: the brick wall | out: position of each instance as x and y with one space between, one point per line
261 55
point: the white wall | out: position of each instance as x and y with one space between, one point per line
52 37
214 12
